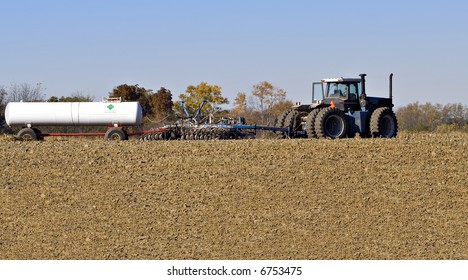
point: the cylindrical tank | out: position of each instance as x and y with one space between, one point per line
73 113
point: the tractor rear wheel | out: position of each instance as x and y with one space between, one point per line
280 122
310 123
383 123
293 121
331 122
282 118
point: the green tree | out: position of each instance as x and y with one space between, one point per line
161 104
53 98
194 96
75 97
133 93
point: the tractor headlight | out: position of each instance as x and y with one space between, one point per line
363 102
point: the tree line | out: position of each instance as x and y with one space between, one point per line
433 117
261 106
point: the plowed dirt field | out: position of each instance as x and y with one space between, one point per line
403 198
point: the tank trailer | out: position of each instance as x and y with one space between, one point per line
110 112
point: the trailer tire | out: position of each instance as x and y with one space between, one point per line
115 134
310 123
38 133
331 123
27 134
383 123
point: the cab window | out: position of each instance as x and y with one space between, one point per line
337 90
353 92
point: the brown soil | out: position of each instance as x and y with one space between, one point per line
403 198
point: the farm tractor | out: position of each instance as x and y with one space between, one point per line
341 108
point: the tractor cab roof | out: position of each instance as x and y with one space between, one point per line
340 80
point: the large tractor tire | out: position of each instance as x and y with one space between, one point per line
27 134
115 134
280 122
310 123
282 118
293 121
331 123
383 123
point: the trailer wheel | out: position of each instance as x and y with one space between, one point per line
38 134
310 123
27 134
115 134
332 123
383 123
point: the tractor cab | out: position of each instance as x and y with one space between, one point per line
348 94
343 93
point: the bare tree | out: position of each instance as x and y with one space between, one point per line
265 97
3 94
25 92
428 116
240 105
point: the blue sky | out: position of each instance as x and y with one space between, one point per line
93 46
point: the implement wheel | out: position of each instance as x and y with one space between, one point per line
27 134
331 123
115 134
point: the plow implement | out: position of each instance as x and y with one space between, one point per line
209 132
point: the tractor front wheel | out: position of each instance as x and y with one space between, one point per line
383 123
331 123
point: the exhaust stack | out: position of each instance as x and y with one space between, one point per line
363 98
363 83
390 88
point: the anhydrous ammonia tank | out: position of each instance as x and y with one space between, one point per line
73 113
